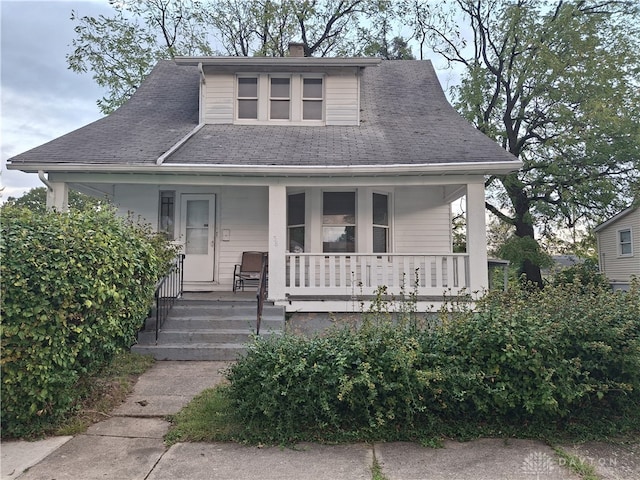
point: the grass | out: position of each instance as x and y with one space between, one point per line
207 418
103 392
577 465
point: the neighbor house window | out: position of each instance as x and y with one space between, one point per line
339 222
380 223
166 215
279 98
625 244
295 222
312 98
248 97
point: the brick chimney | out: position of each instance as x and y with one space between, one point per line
296 49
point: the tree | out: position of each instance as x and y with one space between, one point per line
36 201
121 50
556 84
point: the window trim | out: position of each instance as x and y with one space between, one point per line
620 243
264 98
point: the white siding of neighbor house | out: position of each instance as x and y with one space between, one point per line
422 221
341 99
619 269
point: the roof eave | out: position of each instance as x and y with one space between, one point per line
280 61
476 168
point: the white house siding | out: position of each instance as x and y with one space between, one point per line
342 98
218 99
620 269
244 212
422 221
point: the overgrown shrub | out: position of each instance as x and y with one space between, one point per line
75 289
521 357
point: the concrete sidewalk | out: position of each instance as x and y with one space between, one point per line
129 445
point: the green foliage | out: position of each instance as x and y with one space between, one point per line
522 361
36 201
76 288
520 249
585 273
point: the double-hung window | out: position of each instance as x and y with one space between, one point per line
380 223
339 222
295 222
248 98
625 243
280 98
312 98
167 213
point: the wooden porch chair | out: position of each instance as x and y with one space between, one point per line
248 271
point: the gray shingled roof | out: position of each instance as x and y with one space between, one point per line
405 120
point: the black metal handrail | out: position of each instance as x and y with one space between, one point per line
168 289
262 290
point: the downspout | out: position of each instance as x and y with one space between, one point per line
186 138
44 180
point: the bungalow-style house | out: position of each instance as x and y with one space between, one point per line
343 170
619 248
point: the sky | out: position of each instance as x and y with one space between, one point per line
40 98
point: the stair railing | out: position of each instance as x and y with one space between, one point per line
262 290
168 289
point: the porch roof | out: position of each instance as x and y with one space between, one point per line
406 123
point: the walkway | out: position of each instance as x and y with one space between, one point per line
129 445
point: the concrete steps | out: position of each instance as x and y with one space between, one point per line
208 330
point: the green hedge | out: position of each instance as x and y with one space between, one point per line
76 288
522 358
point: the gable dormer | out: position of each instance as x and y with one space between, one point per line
288 91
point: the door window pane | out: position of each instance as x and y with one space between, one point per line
380 209
166 221
197 227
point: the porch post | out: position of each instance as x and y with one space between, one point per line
477 237
277 241
58 196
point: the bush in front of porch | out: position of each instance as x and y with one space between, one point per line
76 287
561 361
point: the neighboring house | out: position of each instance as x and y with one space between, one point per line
619 247
342 169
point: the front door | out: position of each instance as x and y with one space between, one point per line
197 220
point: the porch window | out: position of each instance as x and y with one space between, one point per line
295 222
167 214
248 97
339 222
312 99
380 223
625 244
279 98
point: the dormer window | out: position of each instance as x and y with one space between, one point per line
248 98
312 98
294 99
279 98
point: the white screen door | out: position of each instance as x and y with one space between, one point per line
197 220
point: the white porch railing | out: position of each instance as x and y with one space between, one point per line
361 274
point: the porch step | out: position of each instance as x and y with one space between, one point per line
208 330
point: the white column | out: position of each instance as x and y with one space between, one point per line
277 241
58 196
477 237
